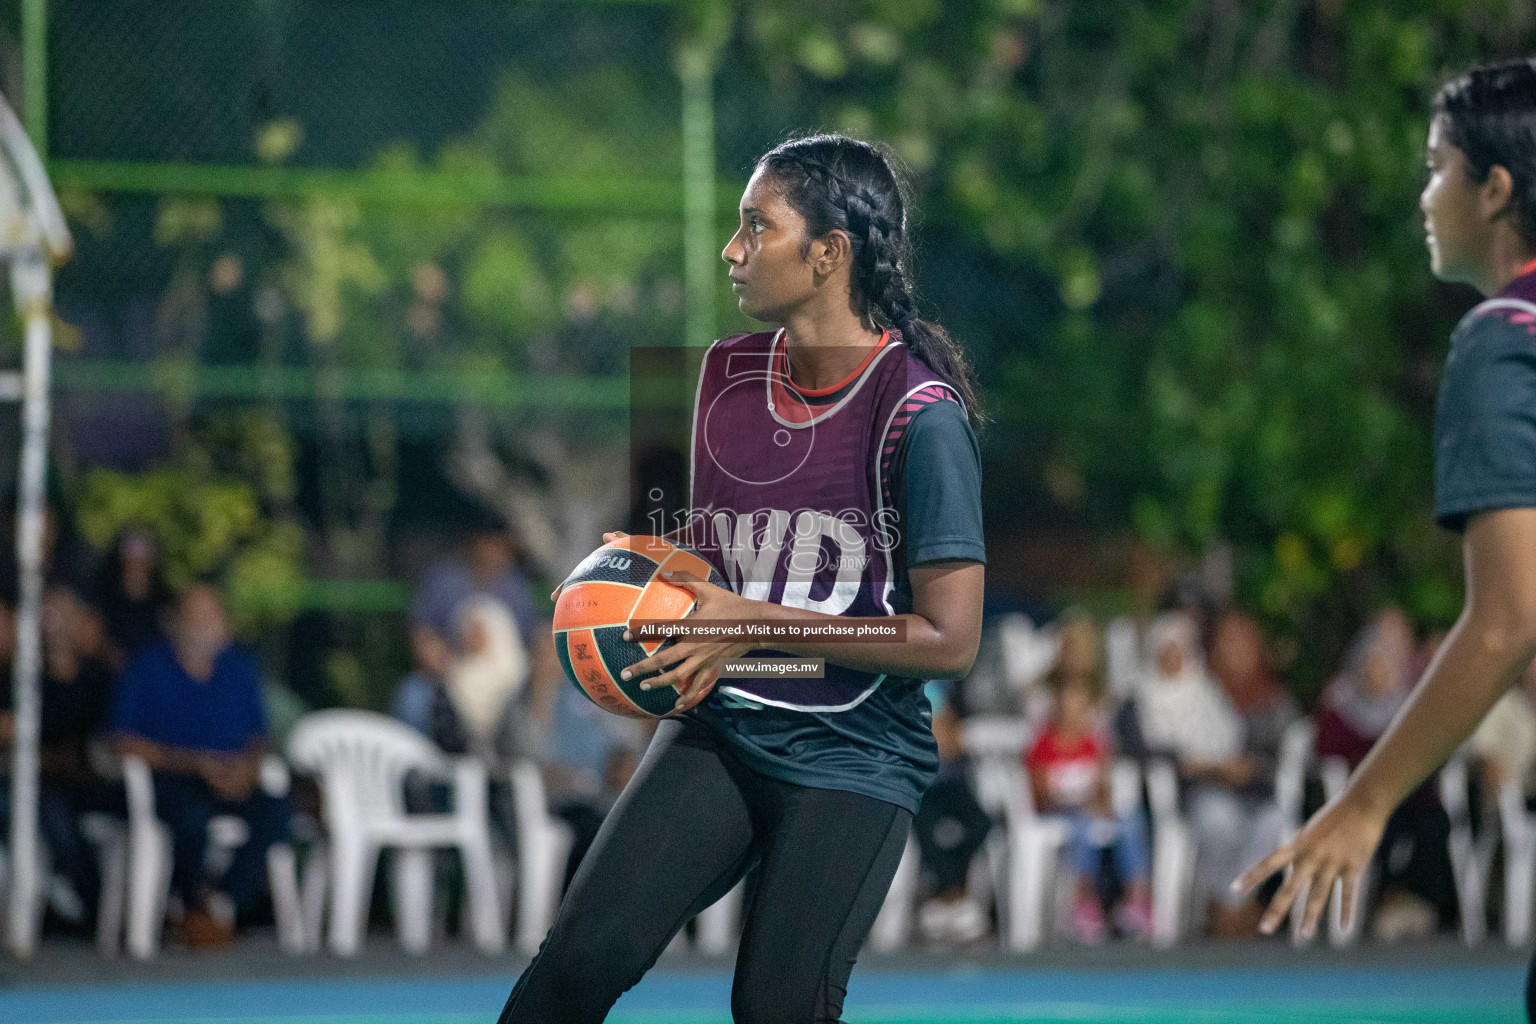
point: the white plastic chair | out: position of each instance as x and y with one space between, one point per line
362 759
109 835
1291 775
1290 794
992 741
893 925
1122 656
1471 860
1519 830
719 924
543 844
1174 848
1056 887
148 862
1335 774
1028 651
40 891
1471 856
1022 856
1173 856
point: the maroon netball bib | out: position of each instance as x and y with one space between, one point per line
787 495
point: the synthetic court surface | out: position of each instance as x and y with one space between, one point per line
1422 987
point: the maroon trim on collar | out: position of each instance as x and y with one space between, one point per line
783 367
1523 286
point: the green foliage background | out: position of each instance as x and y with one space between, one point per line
1179 238
1213 318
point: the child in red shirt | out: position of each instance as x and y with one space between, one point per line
1069 773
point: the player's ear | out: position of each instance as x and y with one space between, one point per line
1495 194
831 252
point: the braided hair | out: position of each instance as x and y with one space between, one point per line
842 184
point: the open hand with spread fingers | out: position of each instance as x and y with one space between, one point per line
1335 846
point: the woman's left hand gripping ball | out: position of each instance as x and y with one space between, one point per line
692 667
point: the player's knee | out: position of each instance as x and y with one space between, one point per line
589 964
782 1000
742 1013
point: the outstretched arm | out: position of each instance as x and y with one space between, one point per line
1491 644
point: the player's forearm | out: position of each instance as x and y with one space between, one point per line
1480 660
928 652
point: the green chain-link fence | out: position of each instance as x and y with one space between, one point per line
315 238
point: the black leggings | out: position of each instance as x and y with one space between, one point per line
690 824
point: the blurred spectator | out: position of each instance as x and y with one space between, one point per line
485 674
950 828
1232 806
75 694
589 756
65 560
1179 712
457 602
1418 893
1010 660
1069 766
422 700
130 593
1505 744
487 568
1425 652
1191 596
191 707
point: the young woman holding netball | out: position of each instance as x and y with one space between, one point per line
1480 217
834 473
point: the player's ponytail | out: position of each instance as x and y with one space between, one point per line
838 183
1489 114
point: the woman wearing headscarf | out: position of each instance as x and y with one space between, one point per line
1180 712
1418 892
1176 709
489 670
1233 804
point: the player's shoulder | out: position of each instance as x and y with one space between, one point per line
1494 342
1498 319
928 406
920 382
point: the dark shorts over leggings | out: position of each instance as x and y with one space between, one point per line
691 823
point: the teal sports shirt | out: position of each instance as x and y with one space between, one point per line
882 748
1485 416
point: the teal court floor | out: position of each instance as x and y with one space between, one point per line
1438 983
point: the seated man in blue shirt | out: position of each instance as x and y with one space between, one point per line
191 707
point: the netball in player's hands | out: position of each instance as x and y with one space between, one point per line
608 538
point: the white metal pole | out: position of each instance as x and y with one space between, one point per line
31 284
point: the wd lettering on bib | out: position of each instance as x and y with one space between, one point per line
787 499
